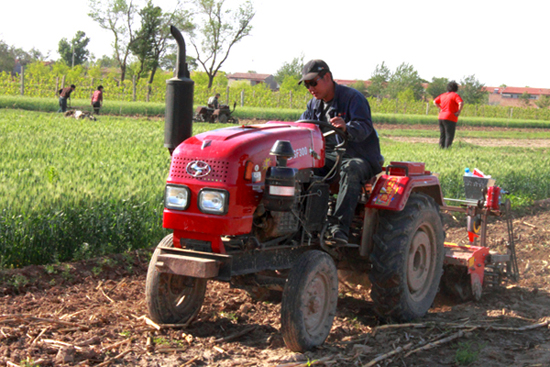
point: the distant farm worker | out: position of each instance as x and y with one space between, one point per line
97 99
348 110
450 106
213 101
64 94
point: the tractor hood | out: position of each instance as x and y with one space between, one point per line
234 160
224 153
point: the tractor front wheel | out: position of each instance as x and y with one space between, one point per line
171 298
407 259
309 301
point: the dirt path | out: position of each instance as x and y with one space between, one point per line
525 143
92 313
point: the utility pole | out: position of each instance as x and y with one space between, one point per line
72 64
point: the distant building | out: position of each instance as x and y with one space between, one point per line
253 79
510 96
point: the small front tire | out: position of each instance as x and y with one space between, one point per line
171 298
309 301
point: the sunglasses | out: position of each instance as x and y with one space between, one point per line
312 83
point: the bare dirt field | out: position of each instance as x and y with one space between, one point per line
92 313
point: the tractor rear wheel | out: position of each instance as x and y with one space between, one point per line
407 259
309 301
171 298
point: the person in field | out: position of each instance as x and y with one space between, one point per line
346 109
97 99
450 105
65 94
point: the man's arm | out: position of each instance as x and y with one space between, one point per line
359 124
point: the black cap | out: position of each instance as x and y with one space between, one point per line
312 69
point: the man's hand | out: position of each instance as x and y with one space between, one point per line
338 123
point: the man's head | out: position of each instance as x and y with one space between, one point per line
452 86
217 95
100 88
317 78
73 86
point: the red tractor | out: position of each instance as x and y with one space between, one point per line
246 208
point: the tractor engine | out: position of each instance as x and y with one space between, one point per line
249 181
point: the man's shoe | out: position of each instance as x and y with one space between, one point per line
340 238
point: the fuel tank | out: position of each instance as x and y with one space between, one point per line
235 159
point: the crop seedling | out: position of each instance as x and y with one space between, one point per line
96 270
466 353
19 281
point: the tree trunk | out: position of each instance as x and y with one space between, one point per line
210 81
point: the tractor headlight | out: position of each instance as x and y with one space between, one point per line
176 197
213 201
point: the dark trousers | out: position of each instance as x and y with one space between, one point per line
62 104
354 172
96 106
447 130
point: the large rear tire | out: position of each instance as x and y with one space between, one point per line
407 259
170 298
309 301
222 118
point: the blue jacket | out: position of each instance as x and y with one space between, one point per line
354 108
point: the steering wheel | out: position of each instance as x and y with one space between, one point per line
333 130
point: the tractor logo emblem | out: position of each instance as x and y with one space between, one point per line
198 169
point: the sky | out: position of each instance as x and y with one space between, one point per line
500 42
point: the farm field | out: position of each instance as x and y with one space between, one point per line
88 312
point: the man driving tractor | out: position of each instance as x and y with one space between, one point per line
346 109
213 102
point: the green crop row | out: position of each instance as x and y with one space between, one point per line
278 114
74 189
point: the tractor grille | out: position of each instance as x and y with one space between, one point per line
218 173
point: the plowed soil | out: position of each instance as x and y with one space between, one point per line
92 313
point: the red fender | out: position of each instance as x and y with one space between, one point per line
392 189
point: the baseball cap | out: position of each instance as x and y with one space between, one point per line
312 69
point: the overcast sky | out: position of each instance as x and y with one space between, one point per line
500 42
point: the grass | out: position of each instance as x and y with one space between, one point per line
75 189
121 108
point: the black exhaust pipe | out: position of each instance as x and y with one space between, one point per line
178 116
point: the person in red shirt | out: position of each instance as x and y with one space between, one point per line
450 105
97 99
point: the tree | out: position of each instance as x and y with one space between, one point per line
543 102
405 77
293 69
116 16
471 90
379 81
9 56
218 30
525 99
290 84
169 60
360 86
437 87
142 47
74 53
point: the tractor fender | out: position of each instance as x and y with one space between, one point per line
391 192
